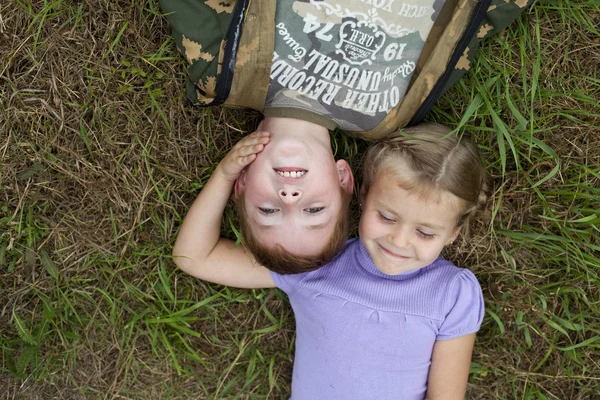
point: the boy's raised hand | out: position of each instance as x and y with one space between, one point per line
242 154
199 250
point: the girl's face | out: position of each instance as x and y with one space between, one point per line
403 231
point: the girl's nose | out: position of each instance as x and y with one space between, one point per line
400 239
290 196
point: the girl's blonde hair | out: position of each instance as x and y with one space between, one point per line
430 161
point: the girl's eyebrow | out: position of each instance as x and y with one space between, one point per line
387 208
432 226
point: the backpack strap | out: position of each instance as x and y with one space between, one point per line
498 16
455 21
251 76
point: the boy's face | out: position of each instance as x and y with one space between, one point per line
292 194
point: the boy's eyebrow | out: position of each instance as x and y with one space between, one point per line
321 225
318 226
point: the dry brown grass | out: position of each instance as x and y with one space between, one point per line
101 157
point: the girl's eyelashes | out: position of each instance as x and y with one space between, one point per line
385 219
424 235
267 211
314 210
420 233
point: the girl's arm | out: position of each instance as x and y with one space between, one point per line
449 370
199 250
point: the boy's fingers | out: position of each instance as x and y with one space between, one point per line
261 137
251 149
251 141
245 160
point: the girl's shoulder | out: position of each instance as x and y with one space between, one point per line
461 302
442 270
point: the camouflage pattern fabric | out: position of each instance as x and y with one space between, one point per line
191 21
500 14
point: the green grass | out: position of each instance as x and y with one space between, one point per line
102 156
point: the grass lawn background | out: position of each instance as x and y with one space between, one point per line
101 156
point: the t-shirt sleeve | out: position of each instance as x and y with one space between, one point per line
286 282
466 307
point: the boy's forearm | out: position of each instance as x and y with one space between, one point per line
201 228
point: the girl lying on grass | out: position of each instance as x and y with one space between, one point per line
388 318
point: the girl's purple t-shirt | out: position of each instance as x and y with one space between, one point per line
362 334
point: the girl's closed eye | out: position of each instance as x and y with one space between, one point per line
385 219
424 235
267 211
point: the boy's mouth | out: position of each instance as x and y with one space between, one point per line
290 172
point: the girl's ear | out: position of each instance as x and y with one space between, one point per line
345 174
454 236
240 184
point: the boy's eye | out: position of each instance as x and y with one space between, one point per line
267 210
385 219
314 210
425 235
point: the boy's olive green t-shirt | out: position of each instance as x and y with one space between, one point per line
346 63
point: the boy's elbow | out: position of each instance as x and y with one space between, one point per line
181 261
187 264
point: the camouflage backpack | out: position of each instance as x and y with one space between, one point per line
229 46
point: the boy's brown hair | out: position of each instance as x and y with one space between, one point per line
429 160
281 261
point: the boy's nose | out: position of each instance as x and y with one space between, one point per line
290 196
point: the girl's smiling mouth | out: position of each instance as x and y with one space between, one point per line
392 254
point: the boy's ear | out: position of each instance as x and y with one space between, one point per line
345 174
240 184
